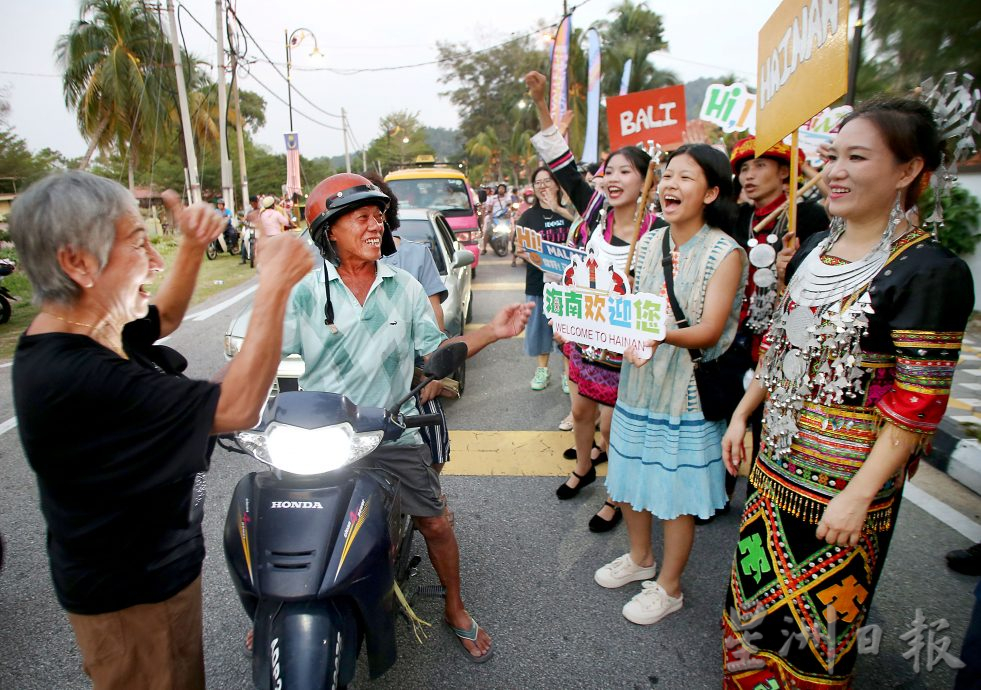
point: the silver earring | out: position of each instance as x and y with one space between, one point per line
835 230
896 216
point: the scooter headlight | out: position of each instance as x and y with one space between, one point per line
310 451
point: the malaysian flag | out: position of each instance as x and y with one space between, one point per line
292 163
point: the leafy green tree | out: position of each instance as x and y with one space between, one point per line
484 85
634 33
916 39
402 138
108 56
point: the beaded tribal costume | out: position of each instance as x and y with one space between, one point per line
835 368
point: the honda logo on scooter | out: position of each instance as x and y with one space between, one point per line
297 504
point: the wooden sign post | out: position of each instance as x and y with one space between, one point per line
803 67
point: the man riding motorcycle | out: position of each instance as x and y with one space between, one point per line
358 324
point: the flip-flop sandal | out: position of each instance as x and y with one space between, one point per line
471 635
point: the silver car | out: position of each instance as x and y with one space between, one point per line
452 261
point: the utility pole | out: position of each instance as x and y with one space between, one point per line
191 172
347 155
239 123
227 192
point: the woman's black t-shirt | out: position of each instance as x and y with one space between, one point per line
116 445
553 228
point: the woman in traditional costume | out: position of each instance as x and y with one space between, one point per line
855 374
665 457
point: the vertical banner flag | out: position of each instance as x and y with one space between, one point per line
292 163
803 65
625 79
559 77
590 152
646 118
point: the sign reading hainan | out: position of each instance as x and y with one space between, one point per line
593 306
803 65
646 118
732 107
546 256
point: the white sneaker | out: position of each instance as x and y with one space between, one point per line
622 571
651 605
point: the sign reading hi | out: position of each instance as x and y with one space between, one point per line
732 107
803 65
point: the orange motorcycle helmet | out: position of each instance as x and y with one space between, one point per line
335 196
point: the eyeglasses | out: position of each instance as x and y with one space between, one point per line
543 183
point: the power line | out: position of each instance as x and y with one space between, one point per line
275 67
260 83
283 101
353 71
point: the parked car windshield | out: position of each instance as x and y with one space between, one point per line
447 195
422 231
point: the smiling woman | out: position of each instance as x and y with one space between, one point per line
116 435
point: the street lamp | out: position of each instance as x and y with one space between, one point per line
294 39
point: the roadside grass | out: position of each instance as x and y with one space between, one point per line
223 273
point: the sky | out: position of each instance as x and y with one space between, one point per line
702 42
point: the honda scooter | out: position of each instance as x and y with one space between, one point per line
316 545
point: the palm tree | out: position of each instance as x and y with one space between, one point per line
635 32
113 57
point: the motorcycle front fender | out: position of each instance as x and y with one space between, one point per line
312 644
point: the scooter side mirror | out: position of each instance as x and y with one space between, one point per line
445 360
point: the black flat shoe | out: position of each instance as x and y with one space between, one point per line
598 524
600 459
965 561
565 492
570 453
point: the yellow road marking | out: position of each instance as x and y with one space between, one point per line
497 287
511 454
517 454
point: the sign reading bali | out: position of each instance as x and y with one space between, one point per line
593 306
803 65
547 257
645 118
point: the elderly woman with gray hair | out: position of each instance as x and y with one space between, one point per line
115 434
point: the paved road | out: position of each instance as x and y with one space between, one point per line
527 563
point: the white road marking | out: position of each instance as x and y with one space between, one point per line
221 306
8 425
943 512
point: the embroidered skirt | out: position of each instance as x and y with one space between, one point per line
796 605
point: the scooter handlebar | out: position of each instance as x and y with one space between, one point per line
418 420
